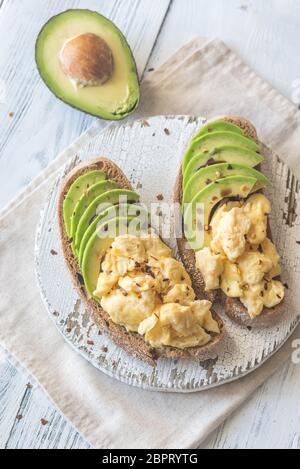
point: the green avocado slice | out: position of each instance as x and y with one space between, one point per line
96 248
214 172
227 153
76 190
112 212
218 126
112 99
209 142
85 200
232 186
98 204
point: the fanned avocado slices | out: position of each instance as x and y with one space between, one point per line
101 202
76 190
85 200
96 248
225 153
132 210
209 174
217 126
209 142
198 212
85 61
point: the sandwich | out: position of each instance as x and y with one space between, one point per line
227 246
136 291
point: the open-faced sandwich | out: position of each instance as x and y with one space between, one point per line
227 245
136 290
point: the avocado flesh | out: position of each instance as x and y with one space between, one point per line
96 249
225 153
232 186
114 99
111 212
97 205
76 190
214 172
213 140
86 199
217 126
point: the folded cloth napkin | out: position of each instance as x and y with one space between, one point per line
203 78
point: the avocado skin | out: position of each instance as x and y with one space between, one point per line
108 116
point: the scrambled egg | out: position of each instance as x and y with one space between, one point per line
241 260
143 288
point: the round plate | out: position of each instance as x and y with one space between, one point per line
149 153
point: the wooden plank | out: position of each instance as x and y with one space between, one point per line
41 126
270 419
264 34
28 418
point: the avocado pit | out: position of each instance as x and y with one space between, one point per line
87 59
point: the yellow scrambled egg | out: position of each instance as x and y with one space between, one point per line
143 288
241 260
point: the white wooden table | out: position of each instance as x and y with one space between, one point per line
35 127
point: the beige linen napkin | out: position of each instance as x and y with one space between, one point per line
204 78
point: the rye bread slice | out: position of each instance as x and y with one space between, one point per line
132 343
232 306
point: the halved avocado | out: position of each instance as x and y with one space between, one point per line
96 249
98 204
217 126
85 60
227 153
112 212
85 200
209 142
209 174
232 186
76 190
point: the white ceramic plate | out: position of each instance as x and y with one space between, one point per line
149 152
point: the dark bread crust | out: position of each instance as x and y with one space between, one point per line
132 343
233 307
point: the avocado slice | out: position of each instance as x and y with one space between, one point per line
85 200
209 142
85 61
96 248
214 172
112 212
101 202
76 190
227 153
232 186
217 126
